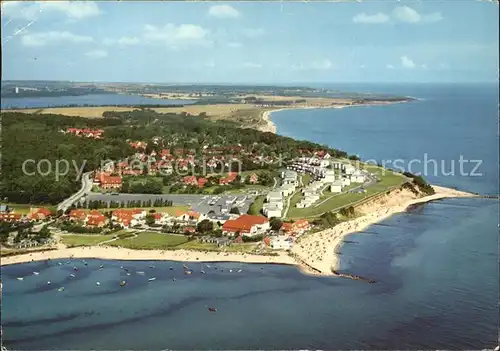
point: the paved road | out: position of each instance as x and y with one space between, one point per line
85 189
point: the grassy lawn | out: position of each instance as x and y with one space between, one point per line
196 245
248 188
257 204
73 240
25 208
148 241
244 247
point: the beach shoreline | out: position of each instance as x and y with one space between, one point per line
321 262
270 126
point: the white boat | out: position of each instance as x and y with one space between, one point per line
101 266
203 272
121 267
240 270
59 263
184 266
152 279
140 273
151 266
48 283
208 266
230 271
72 275
61 288
20 278
36 273
128 273
98 284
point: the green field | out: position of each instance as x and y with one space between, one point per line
25 208
257 205
196 245
73 240
149 241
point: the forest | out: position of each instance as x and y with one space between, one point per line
39 137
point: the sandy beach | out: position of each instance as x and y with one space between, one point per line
313 253
319 250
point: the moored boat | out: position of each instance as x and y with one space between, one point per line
152 279
123 282
61 288
36 273
20 278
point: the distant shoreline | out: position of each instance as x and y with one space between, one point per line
270 126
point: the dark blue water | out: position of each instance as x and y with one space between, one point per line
91 99
436 265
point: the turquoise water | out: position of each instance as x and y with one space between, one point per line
90 99
436 266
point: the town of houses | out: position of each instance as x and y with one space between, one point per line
325 174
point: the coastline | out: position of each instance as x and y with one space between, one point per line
270 126
313 253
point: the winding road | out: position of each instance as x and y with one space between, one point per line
84 190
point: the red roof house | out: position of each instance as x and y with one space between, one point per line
246 224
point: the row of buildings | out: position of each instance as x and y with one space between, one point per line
275 199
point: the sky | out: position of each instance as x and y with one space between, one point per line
251 42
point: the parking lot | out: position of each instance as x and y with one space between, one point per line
220 204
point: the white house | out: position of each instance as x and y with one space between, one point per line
281 242
329 176
349 169
272 210
336 186
358 177
346 181
274 196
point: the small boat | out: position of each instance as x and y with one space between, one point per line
121 267
240 270
215 268
202 272
174 279
185 267
208 266
152 279
123 282
101 266
128 273
48 283
171 268
211 309
75 269
61 288
98 284
140 272
230 271
151 266
72 275
187 272
20 278
85 263
125 269
59 263
36 273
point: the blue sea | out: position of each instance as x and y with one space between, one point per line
436 265
91 100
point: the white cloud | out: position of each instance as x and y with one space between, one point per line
253 32
122 41
389 66
406 62
234 45
370 19
408 15
175 36
96 54
30 11
323 64
402 14
43 38
432 17
223 11
252 65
